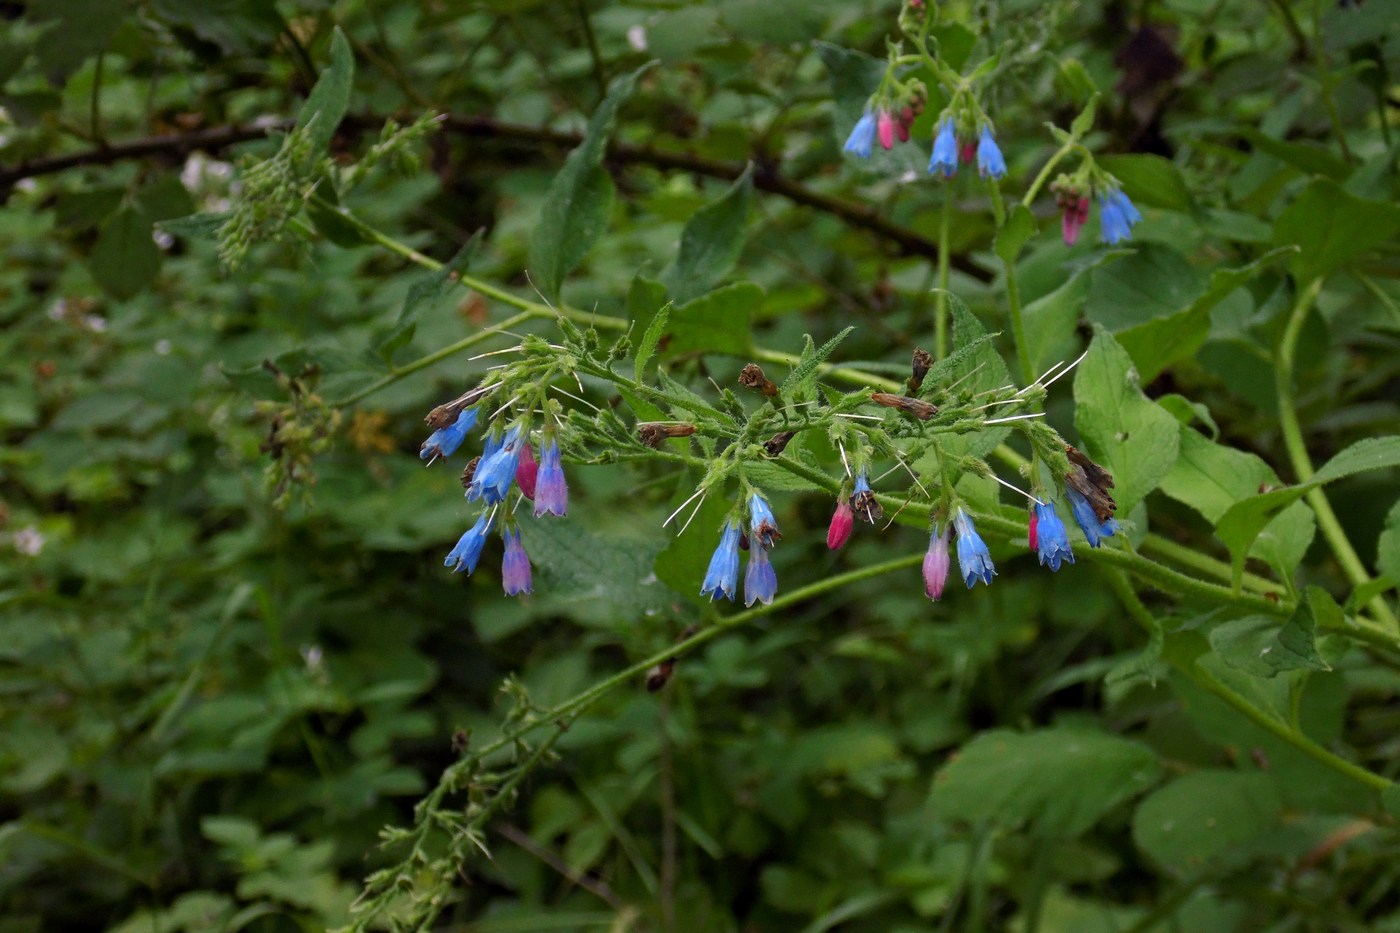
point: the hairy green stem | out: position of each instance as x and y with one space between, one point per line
1302 464
1013 295
1269 723
940 308
1204 563
1165 547
572 707
1149 571
436 356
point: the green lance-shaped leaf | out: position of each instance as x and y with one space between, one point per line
576 207
651 339
711 242
1243 521
800 377
1388 547
1175 334
1150 180
717 322
326 104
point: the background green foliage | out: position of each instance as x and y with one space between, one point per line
218 690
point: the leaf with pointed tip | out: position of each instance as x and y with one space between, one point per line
711 242
325 106
576 206
797 379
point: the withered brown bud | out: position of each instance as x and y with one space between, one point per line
461 738
752 377
922 362
469 471
660 675
1092 482
652 433
445 415
910 406
776 444
866 508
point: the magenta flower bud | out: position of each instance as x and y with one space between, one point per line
842 522
885 126
936 562
1076 213
515 567
527 471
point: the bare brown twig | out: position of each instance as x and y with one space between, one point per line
169 146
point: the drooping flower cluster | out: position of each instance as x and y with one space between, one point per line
949 151
760 580
507 460
516 458
887 120
1117 213
1117 216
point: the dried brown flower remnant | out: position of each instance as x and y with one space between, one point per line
910 406
469 472
1092 482
921 365
652 433
446 414
778 442
660 675
752 377
866 508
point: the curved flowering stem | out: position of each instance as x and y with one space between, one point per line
1145 569
1140 566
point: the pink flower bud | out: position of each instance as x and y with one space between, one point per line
885 128
1076 213
1032 526
841 524
936 563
